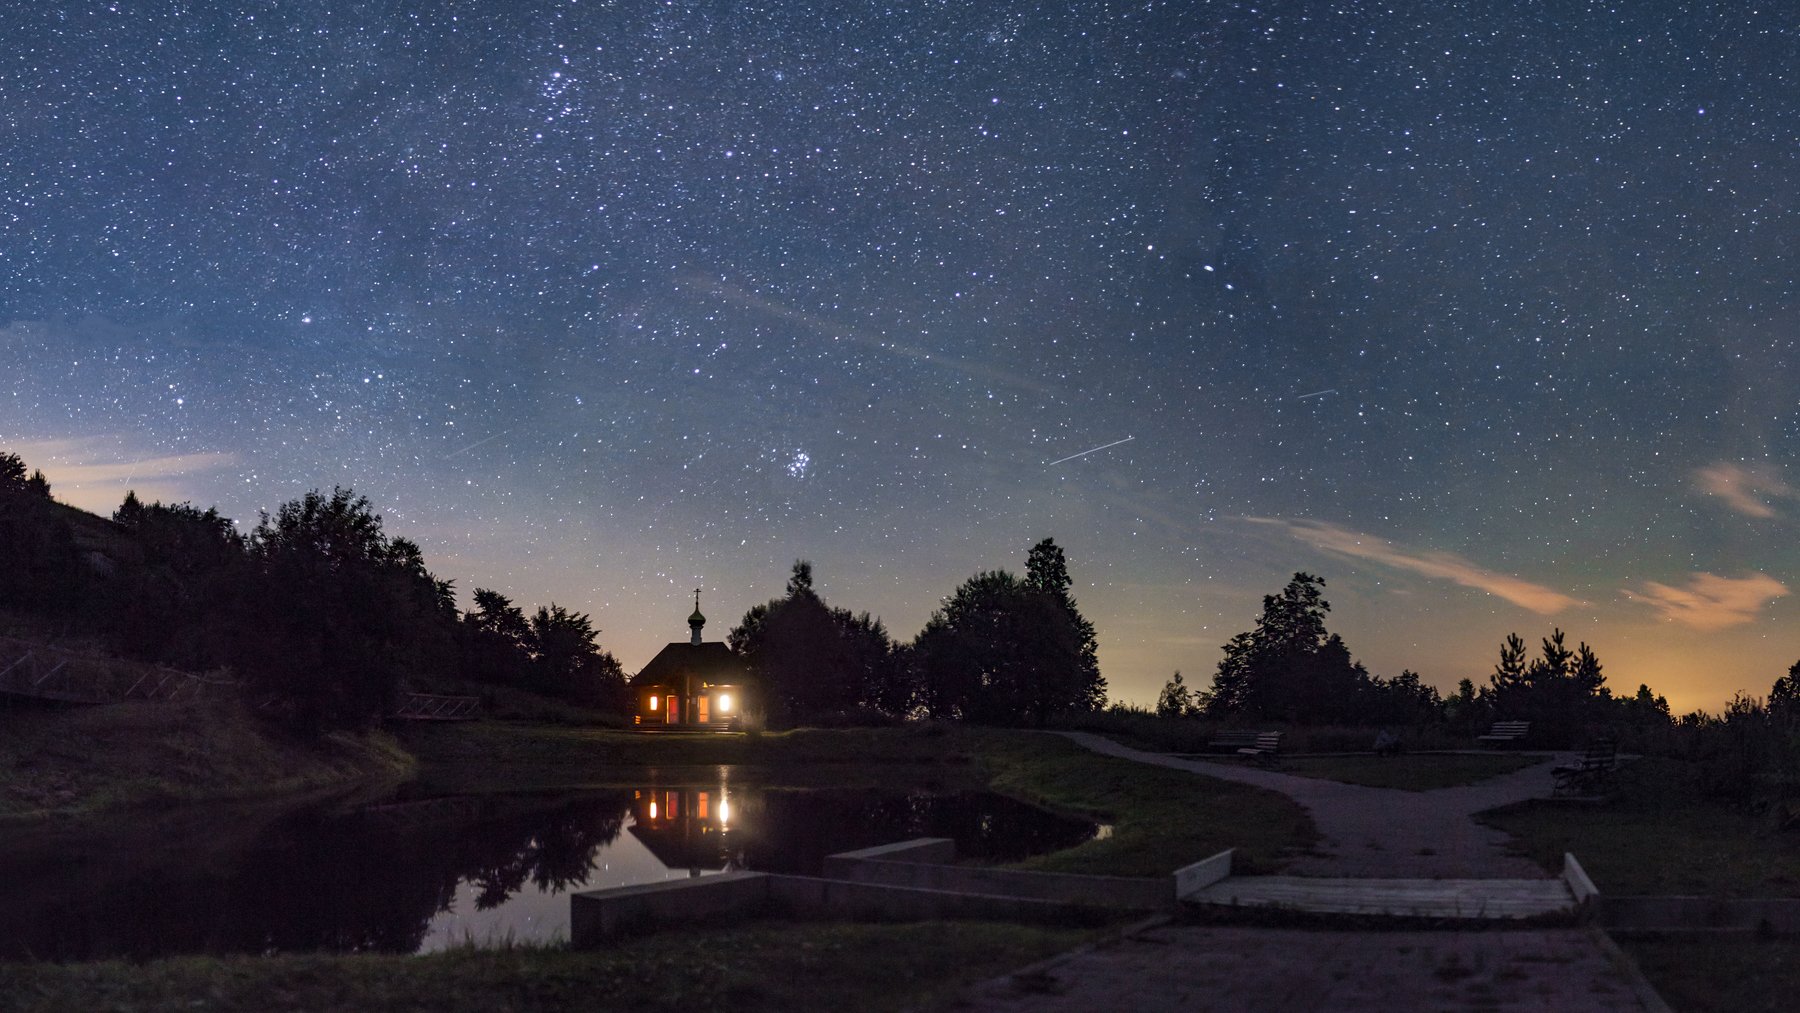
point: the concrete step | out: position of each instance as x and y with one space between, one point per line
1453 899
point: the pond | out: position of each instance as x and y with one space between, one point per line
418 874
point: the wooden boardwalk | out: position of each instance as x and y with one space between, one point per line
1448 899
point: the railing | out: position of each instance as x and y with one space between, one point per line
50 673
433 707
46 673
44 678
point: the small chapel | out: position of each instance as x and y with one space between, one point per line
697 685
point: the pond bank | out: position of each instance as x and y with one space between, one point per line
89 760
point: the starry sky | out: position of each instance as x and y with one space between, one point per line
1486 313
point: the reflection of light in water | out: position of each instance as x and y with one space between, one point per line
536 915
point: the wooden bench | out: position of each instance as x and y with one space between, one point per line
1593 769
1506 731
1264 747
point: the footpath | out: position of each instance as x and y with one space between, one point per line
1376 833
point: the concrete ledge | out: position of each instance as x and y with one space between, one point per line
878 901
1676 914
1580 885
941 850
918 873
599 914
1192 879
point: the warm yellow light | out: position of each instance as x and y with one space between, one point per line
653 810
724 703
654 701
724 811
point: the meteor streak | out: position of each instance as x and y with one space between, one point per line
479 442
1084 453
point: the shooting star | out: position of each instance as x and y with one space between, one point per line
479 442
1316 393
1096 450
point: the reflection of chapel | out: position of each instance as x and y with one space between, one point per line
697 685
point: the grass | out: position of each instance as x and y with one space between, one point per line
1412 771
768 966
1736 972
1144 730
1659 836
1162 819
89 759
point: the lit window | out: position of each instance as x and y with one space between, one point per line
724 703
654 701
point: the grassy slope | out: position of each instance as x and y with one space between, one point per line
1658 836
87 759
1720 972
773 966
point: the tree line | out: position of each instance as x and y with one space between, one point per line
1000 649
1290 668
325 618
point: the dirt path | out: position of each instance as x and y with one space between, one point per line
1383 832
1199 967
1368 832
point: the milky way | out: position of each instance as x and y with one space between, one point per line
1485 312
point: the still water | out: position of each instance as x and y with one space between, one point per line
407 875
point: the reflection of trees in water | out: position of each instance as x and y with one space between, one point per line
558 855
308 881
234 881
793 831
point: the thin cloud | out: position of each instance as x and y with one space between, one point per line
90 474
1436 565
1745 490
1709 601
835 330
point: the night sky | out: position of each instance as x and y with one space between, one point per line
1485 312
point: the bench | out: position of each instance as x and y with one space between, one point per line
1593 769
1264 747
1506 731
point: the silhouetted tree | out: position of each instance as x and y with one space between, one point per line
1468 711
496 640
1176 700
169 609
815 662
13 477
568 663
1289 667
338 615
1562 692
41 571
1002 650
1507 686
1784 697
1645 710
1047 573
1403 700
